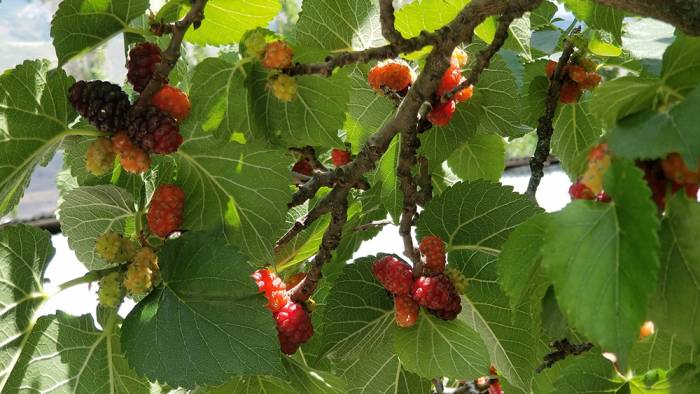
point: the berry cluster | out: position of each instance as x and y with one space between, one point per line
165 210
579 75
391 76
135 132
292 319
442 113
340 157
590 186
669 175
434 290
663 176
275 56
142 270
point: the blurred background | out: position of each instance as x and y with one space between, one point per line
25 34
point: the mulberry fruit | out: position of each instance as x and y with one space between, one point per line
142 273
132 158
110 291
394 75
293 326
452 309
255 44
278 55
100 157
165 210
114 248
103 104
579 191
154 130
394 274
340 157
172 101
283 87
143 59
407 311
433 248
433 292
303 167
442 113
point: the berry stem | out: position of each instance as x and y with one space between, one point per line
545 129
90 276
194 16
85 133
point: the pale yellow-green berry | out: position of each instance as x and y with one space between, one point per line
114 247
255 44
111 292
283 87
99 159
142 273
458 280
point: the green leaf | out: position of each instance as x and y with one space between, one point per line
381 371
339 25
65 353
574 132
588 373
681 65
651 134
660 350
411 19
304 245
674 307
241 189
24 254
481 157
221 100
519 37
206 323
454 349
598 16
34 116
225 20
79 25
438 143
391 194
475 219
519 264
497 96
252 385
680 380
602 258
602 44
624 96
313 117
359 313
88 212
534 96
542 16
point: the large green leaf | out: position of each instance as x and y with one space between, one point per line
79 25
381 371
496 94
681 65
88 212
651 134
225 20
589 373
675 305
438 143
313 117
205 324
391 194
24 254
34 116
661 350
519 264
456 350
481 157
359 313
475 219
241 189
339 25
221 100
598 16
575 130
618 98
68 354
602 258
411 19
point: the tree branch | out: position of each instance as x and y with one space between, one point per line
544 124
409 188
685 15
387 20
461 29
425 181
484 57
169 57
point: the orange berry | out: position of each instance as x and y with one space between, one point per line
407 311
647 329
442 113
278 55
550 68
576 73
394 75
132 158
173 101
591 81
569 92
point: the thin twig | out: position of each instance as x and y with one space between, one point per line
483 59
372 225
545 129
562 348
170 55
